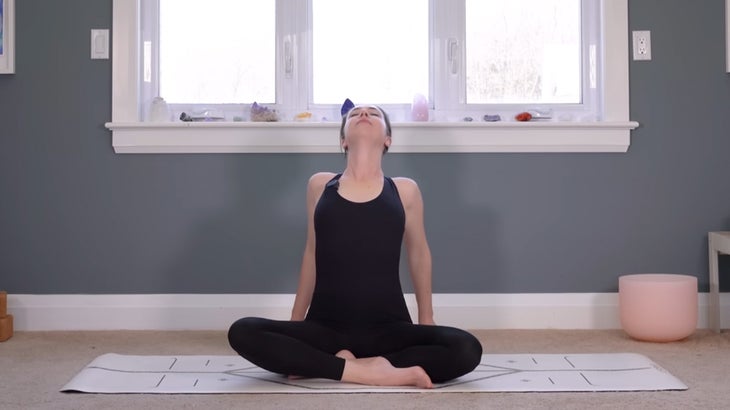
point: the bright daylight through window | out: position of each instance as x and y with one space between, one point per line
217 54
514 56
478 63
224 53
352 60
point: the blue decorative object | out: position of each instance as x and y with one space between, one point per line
492 118
346 107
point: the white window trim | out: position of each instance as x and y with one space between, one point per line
129 135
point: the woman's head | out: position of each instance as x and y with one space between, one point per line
354 121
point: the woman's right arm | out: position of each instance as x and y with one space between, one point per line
307 272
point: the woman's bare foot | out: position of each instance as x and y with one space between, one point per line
377 371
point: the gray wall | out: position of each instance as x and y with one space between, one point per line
77 218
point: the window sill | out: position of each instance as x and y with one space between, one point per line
295 137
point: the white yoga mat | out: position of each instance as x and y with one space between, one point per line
114 373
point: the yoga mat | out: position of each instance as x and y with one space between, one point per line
114 373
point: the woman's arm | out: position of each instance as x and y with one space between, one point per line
419 254
307 272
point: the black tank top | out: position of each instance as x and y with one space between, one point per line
357 256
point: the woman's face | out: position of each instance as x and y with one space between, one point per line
365 124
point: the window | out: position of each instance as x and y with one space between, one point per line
469 57
220 53
504 60
387 65
514 56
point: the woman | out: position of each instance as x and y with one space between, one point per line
350 321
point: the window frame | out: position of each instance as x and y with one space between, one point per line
130 135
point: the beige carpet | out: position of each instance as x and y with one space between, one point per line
42 362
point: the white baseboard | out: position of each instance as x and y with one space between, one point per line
217 312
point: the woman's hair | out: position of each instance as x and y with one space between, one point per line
385 118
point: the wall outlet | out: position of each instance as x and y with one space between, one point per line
99 44
642 45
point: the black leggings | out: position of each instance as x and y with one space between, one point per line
307 348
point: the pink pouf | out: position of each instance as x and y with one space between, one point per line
658 307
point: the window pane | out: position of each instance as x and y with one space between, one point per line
217 51
523 51
373 51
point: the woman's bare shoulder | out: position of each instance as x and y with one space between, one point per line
319 179
406 183
407 187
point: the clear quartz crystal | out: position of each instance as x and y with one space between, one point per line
419 109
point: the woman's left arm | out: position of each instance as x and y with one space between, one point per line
419 254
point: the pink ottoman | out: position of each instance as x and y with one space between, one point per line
658 307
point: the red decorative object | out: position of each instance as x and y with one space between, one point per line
523 116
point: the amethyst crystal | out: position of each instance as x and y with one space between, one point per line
259 113
346 107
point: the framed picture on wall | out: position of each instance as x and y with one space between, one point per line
7 36
727 36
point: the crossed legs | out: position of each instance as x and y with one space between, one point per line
398 354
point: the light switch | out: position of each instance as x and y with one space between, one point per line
100 43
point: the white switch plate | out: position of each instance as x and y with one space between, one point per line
99 44
642 45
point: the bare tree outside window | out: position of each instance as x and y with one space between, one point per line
523 51
217 51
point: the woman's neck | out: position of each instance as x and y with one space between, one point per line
363 167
